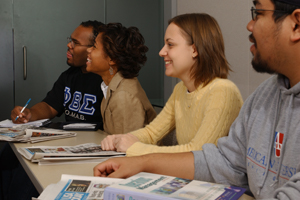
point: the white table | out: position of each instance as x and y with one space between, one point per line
43 175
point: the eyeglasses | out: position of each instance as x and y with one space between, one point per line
75 43
254 12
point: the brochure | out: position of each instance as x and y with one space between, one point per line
77 187
142 186
146 186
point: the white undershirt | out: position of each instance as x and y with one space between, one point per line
104 89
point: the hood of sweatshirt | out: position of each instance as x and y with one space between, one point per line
284 86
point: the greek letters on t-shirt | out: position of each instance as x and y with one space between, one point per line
79 104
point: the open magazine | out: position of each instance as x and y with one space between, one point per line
77 187
32 134
144 186
82 151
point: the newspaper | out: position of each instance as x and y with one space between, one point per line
32 134
11 134
73 160
145 186
77 187
88 150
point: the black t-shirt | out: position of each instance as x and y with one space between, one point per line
78 95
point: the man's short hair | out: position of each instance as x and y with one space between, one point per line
94 24
291 2
287 6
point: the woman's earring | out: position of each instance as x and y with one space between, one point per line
111 70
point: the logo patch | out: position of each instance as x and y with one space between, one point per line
278 143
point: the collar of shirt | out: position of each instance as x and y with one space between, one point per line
104 89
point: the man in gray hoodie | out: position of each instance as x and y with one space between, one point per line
261 152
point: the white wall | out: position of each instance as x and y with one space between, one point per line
233 17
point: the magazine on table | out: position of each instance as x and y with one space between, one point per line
144 186
84 151
32 134
77 187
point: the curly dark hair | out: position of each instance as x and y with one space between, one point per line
124 46
93 24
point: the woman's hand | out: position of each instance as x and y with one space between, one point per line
107 144
123 142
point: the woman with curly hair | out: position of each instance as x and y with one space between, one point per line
203 105
117 56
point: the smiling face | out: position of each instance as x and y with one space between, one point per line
178 54
76 56
266 38
97 61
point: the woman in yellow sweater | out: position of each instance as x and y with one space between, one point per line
203 105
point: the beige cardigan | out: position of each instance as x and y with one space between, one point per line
126 107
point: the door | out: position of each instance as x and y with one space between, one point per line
6 59
41 29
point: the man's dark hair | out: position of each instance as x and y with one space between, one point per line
125 46
95 25
286 8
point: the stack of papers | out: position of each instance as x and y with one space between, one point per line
9 124
35 134
27 132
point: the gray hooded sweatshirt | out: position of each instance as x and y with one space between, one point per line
262 151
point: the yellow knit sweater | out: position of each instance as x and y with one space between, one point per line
202 116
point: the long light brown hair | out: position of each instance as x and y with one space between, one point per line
203 31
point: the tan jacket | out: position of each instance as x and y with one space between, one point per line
126 107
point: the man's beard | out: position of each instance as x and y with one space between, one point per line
260 65
70 64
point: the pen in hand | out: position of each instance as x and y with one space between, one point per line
23 108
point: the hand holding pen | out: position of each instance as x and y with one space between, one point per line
22 109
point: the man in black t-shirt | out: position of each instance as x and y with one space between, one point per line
76 93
